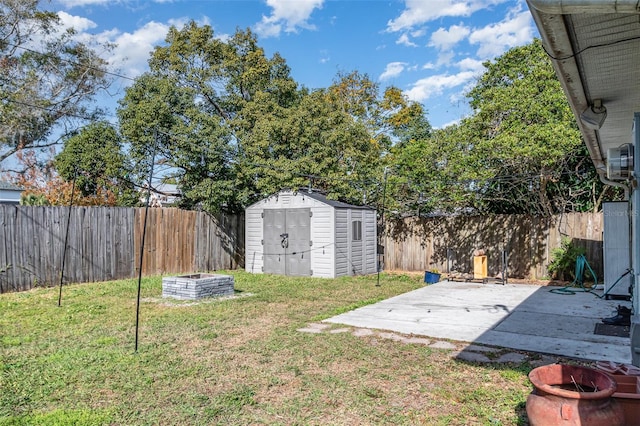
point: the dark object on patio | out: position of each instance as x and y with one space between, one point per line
622 317
612 330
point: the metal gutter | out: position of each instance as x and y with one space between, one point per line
562 7
555 39
551 22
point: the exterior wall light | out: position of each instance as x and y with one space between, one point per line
593 117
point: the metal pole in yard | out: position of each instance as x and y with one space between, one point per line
384 196
66 237
144 231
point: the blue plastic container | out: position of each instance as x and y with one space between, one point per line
431 277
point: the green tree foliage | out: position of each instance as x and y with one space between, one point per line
94 157
47 78
34 200
234 126
520 151
563 260
190 107
526 146
332 139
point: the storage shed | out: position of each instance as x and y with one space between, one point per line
306 234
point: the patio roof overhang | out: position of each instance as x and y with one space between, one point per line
595 50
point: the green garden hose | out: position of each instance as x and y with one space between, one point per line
578 283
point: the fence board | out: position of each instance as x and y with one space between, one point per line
444 243
6 268
104 244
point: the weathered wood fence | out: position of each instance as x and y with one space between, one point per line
449 242
104 244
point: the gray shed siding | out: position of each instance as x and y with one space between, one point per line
342 242
356 253
370 237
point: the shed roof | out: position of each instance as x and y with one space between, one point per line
8 186
314 194
333 203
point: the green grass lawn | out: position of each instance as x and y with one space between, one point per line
237 361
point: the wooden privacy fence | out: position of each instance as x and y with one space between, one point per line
104 244
421 244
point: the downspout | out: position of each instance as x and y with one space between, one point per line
606 181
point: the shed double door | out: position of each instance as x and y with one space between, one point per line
287 241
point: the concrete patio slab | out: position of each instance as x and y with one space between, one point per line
515 316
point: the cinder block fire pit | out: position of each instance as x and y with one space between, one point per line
197 286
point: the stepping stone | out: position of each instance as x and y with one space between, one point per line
478 348
362 332
339 330
440 344
309 330
472 357
416 340
392 336
512 357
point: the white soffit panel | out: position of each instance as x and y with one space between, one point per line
608 54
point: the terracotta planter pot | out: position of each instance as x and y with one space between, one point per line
571 395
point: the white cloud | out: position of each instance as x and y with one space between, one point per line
393 69
73 3
469 64
404 39
435 85
134 49
287 15
443 39
494 39
77 22
418 12
445 58
324 57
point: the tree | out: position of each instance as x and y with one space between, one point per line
520 151
310 144
94 158
334 140
33 200
524 136
40 182
189 107
47 77
234 126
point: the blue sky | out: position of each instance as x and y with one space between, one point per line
431 49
